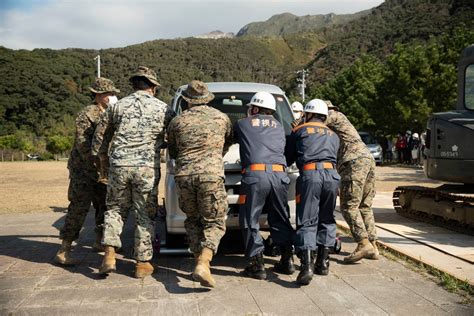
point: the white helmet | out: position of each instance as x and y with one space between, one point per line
415 135
297 106
316 106
263 100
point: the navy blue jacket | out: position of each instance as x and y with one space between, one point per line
311 142
261 139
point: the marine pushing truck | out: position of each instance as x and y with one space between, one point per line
449 157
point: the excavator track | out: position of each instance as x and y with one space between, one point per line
449 206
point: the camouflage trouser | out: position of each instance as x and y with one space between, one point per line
204 200
135 189
83 190
357 193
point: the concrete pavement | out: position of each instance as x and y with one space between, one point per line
31 284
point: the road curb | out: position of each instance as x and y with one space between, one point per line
342 225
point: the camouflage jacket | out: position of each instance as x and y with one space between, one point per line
135 128
351 146
198 139
80 159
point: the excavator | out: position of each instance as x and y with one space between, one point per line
449 157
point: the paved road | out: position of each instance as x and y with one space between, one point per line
31 284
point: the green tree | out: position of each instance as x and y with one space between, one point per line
58 144
355 91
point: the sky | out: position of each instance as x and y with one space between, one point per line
97 24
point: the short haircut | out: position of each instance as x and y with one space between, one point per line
322 117
264 111
141 83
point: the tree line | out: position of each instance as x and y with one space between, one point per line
401 92
387 70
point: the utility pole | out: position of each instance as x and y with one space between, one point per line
98 65
302 82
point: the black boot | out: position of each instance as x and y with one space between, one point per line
307 267
322 260
256 268
286 264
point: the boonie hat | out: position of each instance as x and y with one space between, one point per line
197 92
103 85
329 104
148 73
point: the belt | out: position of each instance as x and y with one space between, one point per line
322 165
263 167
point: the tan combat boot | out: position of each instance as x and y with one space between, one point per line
108 264
97 246
202 272
143 269
63 256
376 254
364 250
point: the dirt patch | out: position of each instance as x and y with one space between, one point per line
388 178
41 186
34 186
37 186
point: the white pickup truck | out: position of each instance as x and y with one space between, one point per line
230 98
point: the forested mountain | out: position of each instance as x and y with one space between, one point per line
394 21
287 23
42 90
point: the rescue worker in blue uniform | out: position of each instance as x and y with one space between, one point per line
264 185
314 148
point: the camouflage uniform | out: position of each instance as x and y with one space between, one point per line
356 167
135 128
198 139
84 187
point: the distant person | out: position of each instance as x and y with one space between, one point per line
383 140
84 183
356 166
422 147
314 147
265 183
415 151
298 113
400 147
389 149
198 139
408 148
135 129
298 110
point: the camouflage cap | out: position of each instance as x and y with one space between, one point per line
103 85
148 73
330 105
197 93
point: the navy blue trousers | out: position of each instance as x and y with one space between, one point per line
316 192
264 190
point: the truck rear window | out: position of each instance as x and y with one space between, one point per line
235 106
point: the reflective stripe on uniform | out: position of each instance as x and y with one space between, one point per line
314 166
263 167
318 124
